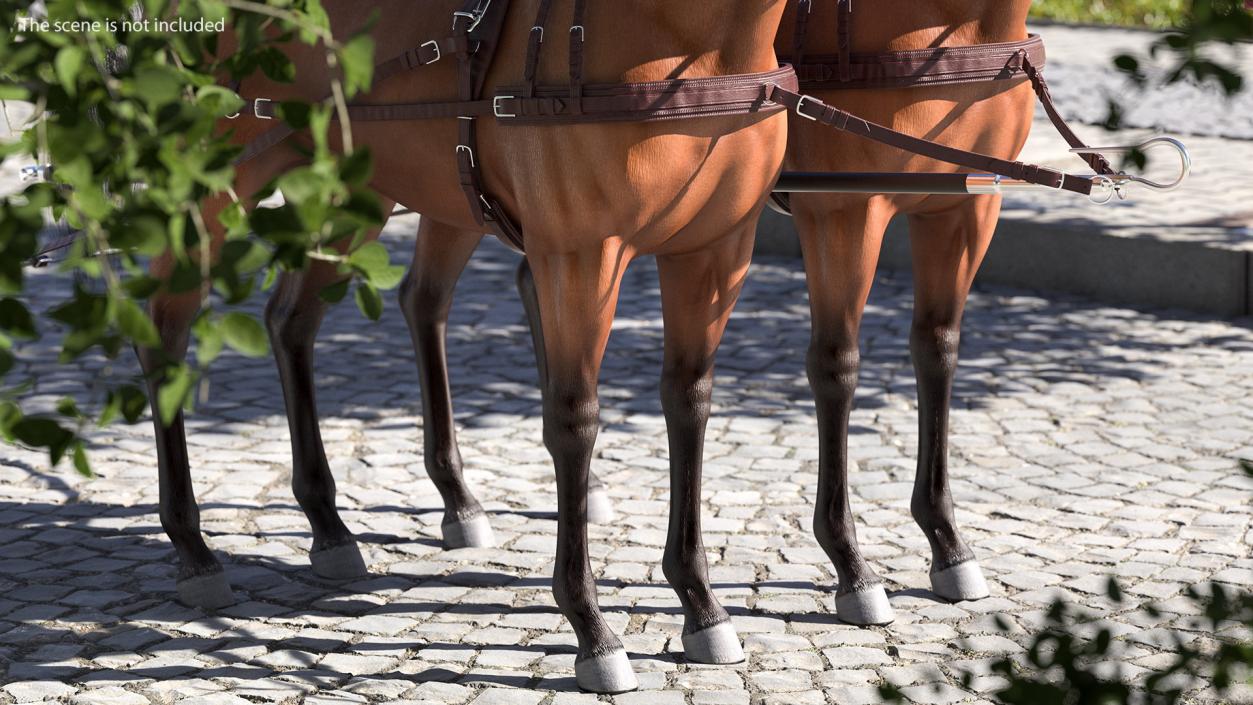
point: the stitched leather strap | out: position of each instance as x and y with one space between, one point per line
925 67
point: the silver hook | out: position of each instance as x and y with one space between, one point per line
1123 178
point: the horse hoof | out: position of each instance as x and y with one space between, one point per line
608 673
866 606
717 644
208 592
339 562
963 581
475 532
599 507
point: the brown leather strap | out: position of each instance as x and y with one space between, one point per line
1098 162
578 37
673 99
925 67
844 20
814 109
804 8
534 44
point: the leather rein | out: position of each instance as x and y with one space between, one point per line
475 36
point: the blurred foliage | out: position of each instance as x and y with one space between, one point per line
127 105
1156 14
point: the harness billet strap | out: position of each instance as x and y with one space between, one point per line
843 31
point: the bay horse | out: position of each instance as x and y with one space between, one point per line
841 235
590 197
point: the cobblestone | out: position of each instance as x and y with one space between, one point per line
1087 440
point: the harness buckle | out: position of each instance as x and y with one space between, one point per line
468 150
475 16
256 109
434 45
800 104
582 32
498 109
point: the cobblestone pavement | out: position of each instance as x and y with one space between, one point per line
1087 441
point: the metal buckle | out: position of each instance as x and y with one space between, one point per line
539 29
801 104
498 111
464 148
475 16
256 108
582 32
438 55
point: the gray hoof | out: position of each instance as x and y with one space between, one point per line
866 606
208 592
717 644
609 673
339 562
599 507
963 581
475 532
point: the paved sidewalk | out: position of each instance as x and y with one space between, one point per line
1087 440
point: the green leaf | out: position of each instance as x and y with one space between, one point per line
135 323
245 334
209 339
43 433
335 292
174 392
374 262
369 301
68 64
81 463
357 61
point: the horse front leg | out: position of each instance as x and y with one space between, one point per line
578 294
201 581
947 251
841 254
599 505
698 293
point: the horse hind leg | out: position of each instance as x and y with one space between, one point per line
440 256
947 250
599 505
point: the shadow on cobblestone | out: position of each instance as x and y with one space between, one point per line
1087 440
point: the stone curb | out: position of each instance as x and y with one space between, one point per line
1118 265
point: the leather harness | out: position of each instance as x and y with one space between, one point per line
476 35
476 32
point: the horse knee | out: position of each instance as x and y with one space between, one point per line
571 420
422 302
290 325
934 346
687 389
833 365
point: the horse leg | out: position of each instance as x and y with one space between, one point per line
698 293
841 255
599 506
201 581
440 255
578 294
947 250
293 316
